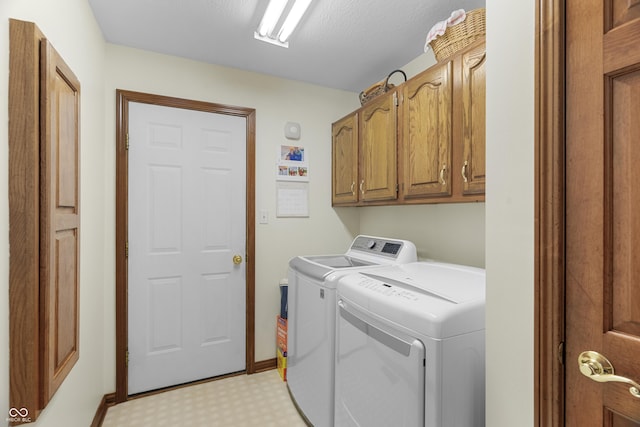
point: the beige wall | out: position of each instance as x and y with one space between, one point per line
444 232
509 212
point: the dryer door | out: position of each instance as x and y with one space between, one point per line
380 373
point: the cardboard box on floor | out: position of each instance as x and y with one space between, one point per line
281 344
282 365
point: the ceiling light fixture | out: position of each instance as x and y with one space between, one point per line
273 15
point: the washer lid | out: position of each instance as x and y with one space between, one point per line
365 251
320 266
338 261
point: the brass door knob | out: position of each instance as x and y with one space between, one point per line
237 259
595 366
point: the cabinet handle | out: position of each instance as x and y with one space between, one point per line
464 171
361 189
353 184
442 171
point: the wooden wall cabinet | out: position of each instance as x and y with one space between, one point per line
378 149
473 77
344 142
364 150
423 142
427 137
443 131
44 218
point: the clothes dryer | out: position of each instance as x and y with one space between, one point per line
410 347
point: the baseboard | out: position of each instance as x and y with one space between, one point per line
265 365
107 401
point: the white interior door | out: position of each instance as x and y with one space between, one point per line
187 204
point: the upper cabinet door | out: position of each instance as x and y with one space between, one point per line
344 137
473 121
427 134
378 148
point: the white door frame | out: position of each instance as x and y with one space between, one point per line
123 98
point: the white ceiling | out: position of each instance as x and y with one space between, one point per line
343 44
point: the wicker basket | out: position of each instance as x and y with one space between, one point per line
379 88
460 35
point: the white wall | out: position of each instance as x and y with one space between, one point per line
276 101
70 27
509 211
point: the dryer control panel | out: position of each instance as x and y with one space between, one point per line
387 289
388 248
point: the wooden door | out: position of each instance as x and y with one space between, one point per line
427 134
344 137
187 213
378 149
602 209
59 220
473 120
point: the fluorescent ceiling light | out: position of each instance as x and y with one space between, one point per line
271 17
294 17
273 14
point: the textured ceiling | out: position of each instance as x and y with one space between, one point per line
343 44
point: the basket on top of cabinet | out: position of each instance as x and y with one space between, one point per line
461 35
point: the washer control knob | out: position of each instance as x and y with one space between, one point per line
371 244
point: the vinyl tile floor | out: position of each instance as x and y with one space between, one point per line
259 400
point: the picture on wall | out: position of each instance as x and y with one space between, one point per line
293 164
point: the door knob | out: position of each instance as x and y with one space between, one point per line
595 366
237 259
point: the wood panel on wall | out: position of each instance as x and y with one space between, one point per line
24 216
59 220
44 219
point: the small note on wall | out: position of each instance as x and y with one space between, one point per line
293 199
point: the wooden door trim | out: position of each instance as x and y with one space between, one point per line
549 213
123 97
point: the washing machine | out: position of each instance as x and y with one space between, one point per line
312 317
410 347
